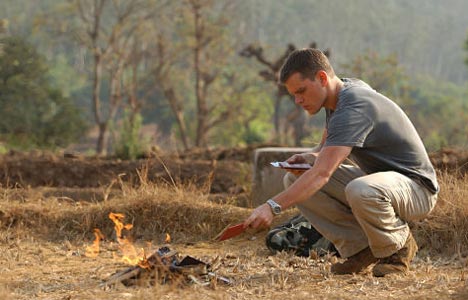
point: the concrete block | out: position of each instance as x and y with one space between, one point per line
267 180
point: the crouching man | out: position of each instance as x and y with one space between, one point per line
363 209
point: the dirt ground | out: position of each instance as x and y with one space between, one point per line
225 170
35 269
49 206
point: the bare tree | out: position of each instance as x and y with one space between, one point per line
110 28
163 63
207 36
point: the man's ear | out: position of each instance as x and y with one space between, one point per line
322 76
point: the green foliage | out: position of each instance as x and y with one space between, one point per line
3 149
130 144
64 77
314 138
440 113
256 133
249 106
383 73
400 51
33 114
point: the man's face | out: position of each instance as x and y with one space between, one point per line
310 94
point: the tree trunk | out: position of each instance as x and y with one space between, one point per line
276 118
202 108
94 35
298 120
97 101
171 97
102 139
132 95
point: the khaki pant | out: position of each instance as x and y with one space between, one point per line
354 210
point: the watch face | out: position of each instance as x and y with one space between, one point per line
275 208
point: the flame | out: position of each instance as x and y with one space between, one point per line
130 254
119 225
168 238
93 250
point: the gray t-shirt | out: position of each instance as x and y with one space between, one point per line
382 136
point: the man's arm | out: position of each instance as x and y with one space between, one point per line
315 178
304 187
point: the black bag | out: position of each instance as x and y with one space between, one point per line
298 236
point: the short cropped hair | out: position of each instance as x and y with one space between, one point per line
307 62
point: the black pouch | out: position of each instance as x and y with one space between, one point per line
298 236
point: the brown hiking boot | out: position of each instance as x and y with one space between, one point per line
356 263
398 262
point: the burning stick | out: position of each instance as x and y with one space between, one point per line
159 260
163 265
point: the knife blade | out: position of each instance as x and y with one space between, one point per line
230 232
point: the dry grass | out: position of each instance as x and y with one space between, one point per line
185 212
445 231
43 236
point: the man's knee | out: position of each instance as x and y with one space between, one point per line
359 191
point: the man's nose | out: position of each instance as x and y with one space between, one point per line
298 100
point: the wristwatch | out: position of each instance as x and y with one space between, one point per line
275 207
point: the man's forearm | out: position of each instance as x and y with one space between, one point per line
303 188
315 178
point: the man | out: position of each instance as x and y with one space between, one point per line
362 209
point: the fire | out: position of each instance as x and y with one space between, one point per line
131 255
93 250
168 239
119 225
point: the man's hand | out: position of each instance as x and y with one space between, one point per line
296 159
299 159
261 217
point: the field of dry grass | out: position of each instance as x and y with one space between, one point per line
44 233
